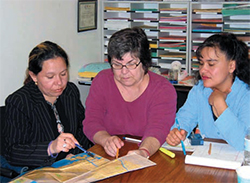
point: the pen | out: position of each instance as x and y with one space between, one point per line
132 139
85 151
182 144
210 149
167 152
117 153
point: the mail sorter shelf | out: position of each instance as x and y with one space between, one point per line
210 18
176 28
164 23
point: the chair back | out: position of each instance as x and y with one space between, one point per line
2 121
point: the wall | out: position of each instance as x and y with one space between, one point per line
26 23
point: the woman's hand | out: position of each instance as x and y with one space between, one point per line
147 147
175 136
108 142
64 142
69 156
139 152
111 145
217 100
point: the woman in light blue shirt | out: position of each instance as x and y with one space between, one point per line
220 101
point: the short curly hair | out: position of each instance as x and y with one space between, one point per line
130 40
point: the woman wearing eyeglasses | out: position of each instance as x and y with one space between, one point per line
128 98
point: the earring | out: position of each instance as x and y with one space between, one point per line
36 83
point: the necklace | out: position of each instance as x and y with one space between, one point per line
60 126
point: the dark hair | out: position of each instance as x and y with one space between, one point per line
234 49
42 52
133 41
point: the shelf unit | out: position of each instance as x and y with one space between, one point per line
164 23
175 28
210 18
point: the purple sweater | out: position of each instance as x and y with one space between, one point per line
150 115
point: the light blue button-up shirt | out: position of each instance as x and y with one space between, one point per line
230 126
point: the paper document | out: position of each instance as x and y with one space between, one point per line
221 156
188 146
83 168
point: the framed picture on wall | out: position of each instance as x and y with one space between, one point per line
87 15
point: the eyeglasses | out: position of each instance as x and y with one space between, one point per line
129 66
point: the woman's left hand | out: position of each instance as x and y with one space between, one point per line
69 156
139 152
217 100
147 147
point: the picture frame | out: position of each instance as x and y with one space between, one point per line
87 15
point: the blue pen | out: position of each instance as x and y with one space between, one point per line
182 144
84 150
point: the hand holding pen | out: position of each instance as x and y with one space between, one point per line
176 136
182 143
64 142
112 145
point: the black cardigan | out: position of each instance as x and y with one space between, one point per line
28 129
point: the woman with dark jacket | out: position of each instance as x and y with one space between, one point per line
44 117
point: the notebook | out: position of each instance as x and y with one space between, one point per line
222 156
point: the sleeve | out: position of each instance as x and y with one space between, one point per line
187 115
20 148
95 109
161 113
233 126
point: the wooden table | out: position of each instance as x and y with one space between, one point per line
167 169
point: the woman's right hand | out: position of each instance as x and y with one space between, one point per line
64 142
111 145
175 136
108 142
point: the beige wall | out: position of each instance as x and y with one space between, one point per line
25 23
